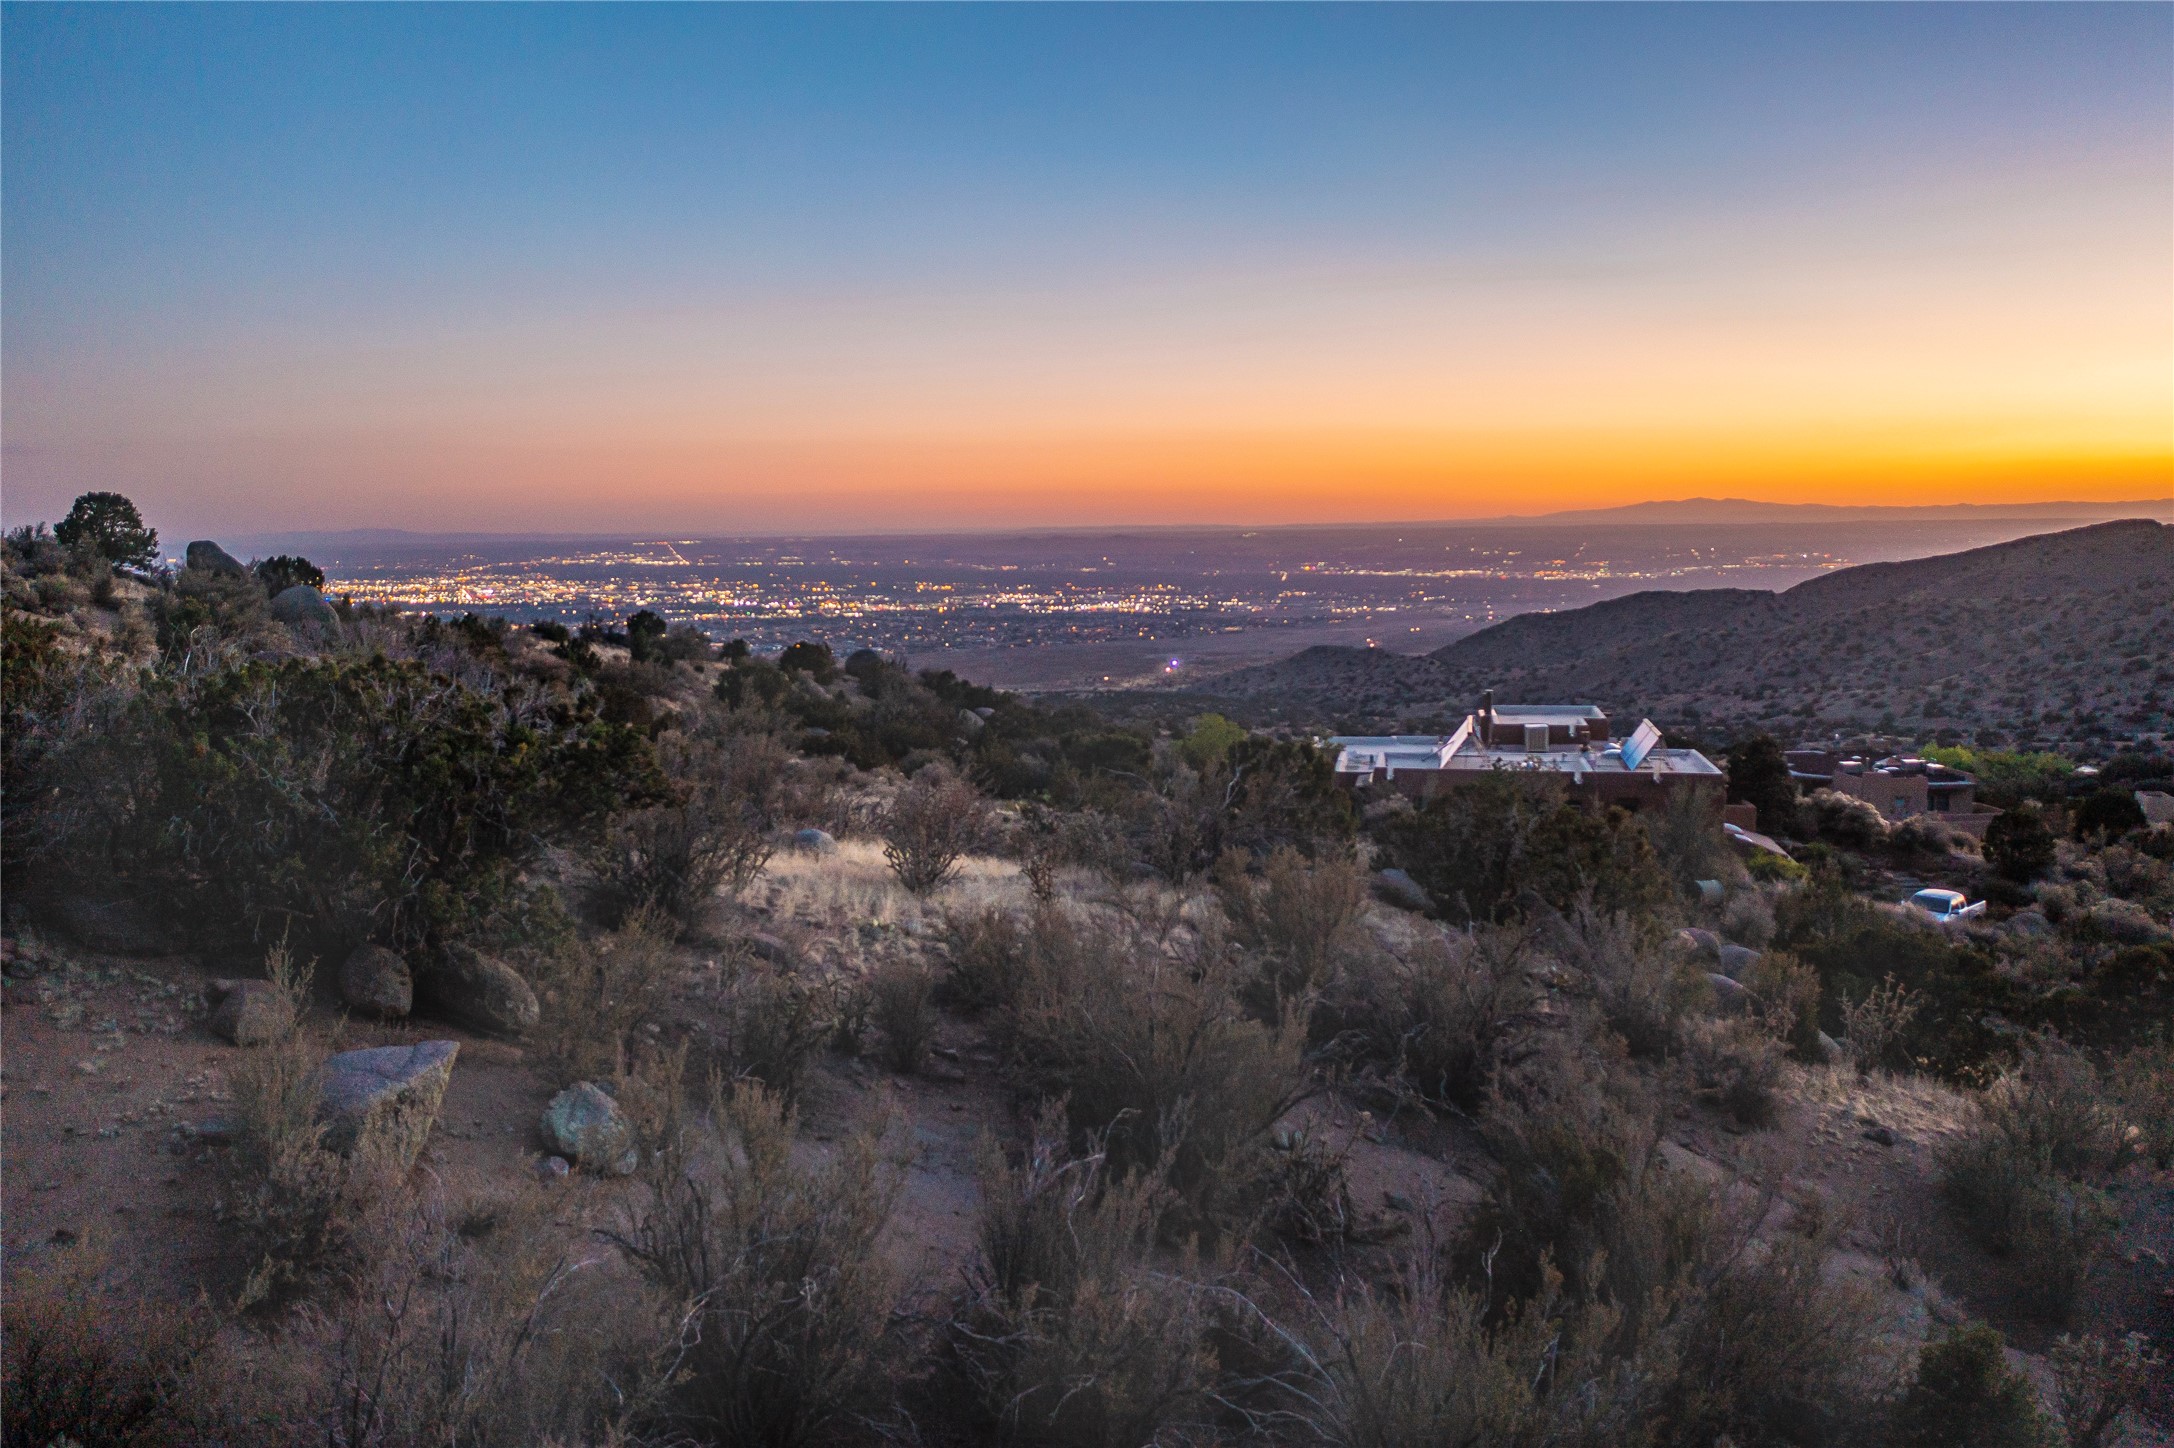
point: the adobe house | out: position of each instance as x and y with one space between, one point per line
1899 787
1572 742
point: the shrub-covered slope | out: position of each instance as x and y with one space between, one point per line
2062 635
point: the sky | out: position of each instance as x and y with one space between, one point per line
853 268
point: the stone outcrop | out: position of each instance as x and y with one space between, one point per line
1400 889
585 1125
376 982
302 604
468 987
210 557
385 1099
248 1012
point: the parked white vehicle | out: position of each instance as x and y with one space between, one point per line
1945 905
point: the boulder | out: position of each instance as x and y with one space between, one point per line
117 925
385 1099
1830 1050
209 556
1732 998
971 722
2031 923
1399 889
302 604
584 1125
815 842
765 946
1736 959
1703 942
376 982
479 992
249 1012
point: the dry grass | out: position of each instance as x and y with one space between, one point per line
791 1298
594 994
84 1365
1436 1014
1066 1333
1298 921
932 824
2022 1180
488 1322
855 886
902 1005
306 1210
1153 1051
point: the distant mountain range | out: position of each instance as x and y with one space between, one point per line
1685 512
2059 635
1711 511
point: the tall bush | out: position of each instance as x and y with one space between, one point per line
364 798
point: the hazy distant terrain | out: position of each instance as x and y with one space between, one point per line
1113 608
2058 636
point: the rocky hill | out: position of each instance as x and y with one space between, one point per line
2059 636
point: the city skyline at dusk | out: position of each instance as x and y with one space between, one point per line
838 270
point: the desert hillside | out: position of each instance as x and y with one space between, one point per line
2060 636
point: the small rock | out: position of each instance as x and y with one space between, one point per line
1830 1050
553 1168
1398 888
250 1012
301 605
374 981
479 992
1881 1135
584 1124
386 1098
815 842
209 556
1736 959
765 946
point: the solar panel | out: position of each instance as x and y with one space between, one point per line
1640 744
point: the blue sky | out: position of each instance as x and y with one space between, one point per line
717 263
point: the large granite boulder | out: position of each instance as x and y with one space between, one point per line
375 981
1399 889
117 925
584 1125
248 1012
1730 996
210 557
1736 959
301 605
481 993
765 946
2032 923
1700 941
385 1099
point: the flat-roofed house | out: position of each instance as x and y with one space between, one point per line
1572 742
1900 786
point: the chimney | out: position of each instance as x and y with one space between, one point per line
1487 717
